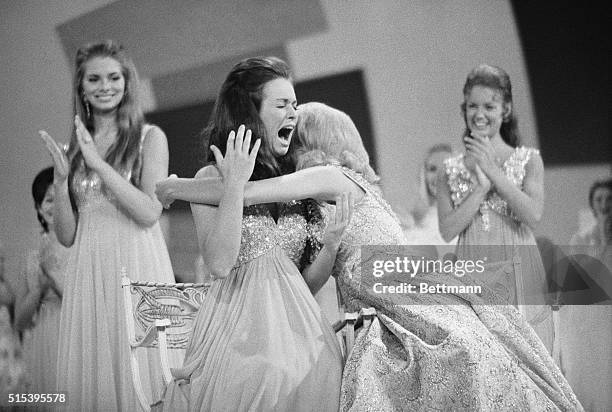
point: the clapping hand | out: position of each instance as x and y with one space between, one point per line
238 164
338 224
482 179
87 145
61 166
480 148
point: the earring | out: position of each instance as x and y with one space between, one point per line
87 109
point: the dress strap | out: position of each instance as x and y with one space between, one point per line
356 178
369 189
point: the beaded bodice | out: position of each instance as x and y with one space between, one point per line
461 181
87 186
297 227
88 189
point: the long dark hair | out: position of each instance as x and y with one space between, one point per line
239 102
497 79
124 154
40 185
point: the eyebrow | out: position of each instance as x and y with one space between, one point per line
98 74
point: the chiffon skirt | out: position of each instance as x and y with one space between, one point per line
94 356
260 343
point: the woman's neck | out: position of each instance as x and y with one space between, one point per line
105 123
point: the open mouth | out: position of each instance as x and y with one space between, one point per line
285 133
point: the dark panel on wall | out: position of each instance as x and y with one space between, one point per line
345 91
199 83
567 48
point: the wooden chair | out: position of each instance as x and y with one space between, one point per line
348 325
159 315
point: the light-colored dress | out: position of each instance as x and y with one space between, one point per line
12 363
41 340
497 235
94 360
260 341
426 352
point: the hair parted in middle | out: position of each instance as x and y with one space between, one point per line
328 136
124 154
239 102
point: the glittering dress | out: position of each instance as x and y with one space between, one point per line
260 341
41 340
497 234
94 359
435 352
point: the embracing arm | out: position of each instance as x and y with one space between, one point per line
526 204
320 182
219 228
319 271
453 221
141 204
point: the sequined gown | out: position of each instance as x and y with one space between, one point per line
495 232
260 341
41 340
94 360
426 352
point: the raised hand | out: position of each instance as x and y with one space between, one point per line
87 145
165 190
338 224
61 166
237 165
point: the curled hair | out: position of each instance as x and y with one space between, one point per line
40 185
600 184
328 136
124 153
497 79
239 102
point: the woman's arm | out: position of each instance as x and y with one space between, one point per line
526 204
219 229
454 221
319 271
28 293
64 216
322 183
141 204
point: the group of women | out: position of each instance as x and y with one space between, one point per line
288 200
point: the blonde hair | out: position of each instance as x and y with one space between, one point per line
328 136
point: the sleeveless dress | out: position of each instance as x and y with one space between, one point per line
495 232
94 357
260 341
41 341
426 352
